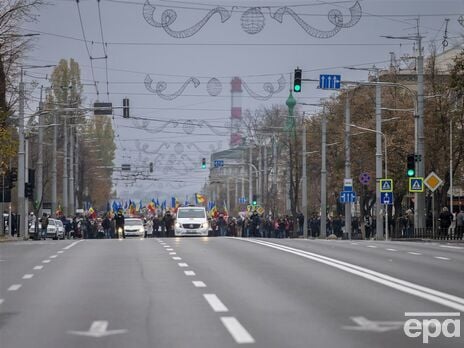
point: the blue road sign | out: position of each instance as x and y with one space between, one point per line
347 197
386 185
416 184
329 81
218 163
242 200
364 178
386 198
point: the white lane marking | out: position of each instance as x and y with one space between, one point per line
28 276
177 258
391 249
71 245
413 253
166 246
1 300
46 261
60 252
53 256
451 247
182 264
170 249
14 287
417 290
172 253
98 329
38 267
215 303
372 246
189 273
354 243
442 258
199 284
237 331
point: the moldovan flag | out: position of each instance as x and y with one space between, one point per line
199 198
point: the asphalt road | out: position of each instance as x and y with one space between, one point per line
226 292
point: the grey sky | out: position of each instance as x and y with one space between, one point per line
220 50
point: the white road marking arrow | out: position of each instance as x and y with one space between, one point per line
98 329
365 324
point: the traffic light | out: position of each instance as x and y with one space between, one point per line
297 80
411 167
13 174
151 167
254 201
203 163
28 190
125 108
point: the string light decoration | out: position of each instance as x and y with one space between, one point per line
252 20
213 88
162 85
188 126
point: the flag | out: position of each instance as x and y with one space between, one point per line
92 213
151 206
59 211
199 198
226 212
163 205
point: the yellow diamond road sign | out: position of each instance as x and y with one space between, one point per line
432 181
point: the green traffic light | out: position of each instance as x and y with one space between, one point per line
203 166
411 172
297 88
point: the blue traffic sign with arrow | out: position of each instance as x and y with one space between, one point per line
329 81
347 197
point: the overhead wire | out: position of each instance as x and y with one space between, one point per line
87 47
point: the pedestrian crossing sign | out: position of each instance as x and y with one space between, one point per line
386 185
416 184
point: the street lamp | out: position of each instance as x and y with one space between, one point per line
22 203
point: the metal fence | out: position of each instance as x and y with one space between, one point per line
429 233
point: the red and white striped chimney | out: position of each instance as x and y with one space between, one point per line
236 112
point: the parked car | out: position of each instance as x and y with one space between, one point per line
55 229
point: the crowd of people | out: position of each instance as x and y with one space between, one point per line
246 225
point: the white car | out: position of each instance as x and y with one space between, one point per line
55 229
191 221
133 227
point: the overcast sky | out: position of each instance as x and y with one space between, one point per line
250 43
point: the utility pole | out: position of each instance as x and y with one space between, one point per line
274 178
65 166
54 162
39 174
347 160
419 211
323 229
378 159
71 207
250 176
304 198
22 229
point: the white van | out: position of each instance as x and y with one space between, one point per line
191 221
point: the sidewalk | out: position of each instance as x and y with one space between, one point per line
8 238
